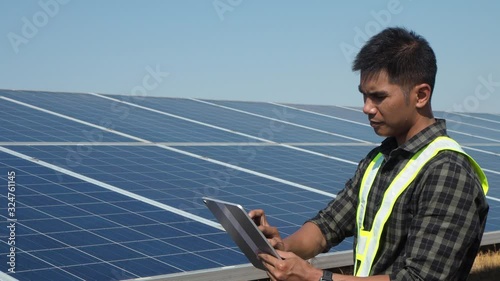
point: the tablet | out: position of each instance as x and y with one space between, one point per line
242 230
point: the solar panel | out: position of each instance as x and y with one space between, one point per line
108 114
70 229
110 187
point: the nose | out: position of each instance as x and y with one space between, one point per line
369 108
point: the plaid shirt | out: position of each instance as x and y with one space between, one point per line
436 226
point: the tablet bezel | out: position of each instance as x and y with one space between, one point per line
242 230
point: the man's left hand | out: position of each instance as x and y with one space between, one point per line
290 268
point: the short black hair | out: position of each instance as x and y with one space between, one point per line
406 56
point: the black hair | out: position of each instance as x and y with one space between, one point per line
406 56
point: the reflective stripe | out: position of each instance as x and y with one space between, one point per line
368 241
366 183
368 179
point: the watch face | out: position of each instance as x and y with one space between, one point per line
327 276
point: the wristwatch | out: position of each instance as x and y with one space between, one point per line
327 276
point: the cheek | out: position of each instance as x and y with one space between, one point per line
398 110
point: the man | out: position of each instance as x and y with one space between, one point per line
416 203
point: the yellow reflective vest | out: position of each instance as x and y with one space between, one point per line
368 240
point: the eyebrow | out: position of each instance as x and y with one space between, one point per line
371 93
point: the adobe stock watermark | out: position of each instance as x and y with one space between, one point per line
32 25
380 20
223 6
482 92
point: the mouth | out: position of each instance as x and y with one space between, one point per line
375 123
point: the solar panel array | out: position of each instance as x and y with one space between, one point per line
109 187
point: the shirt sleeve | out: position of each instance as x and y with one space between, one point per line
337 220
446 230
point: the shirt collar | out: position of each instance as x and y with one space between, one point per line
417 142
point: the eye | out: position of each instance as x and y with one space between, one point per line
378 97
375 97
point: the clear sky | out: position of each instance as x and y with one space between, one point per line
256 50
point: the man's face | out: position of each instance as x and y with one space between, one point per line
389 113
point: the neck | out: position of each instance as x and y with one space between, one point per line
422 123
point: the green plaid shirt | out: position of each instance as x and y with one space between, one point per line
436 226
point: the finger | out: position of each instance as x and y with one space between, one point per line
265 229
286 255
277 243
266 259
276 269
256 213
269 231
258 216
269 261
271 276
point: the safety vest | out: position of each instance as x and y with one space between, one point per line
368 240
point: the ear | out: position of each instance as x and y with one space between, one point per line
422 93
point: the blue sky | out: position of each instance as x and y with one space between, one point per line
256 50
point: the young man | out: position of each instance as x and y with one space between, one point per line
416 203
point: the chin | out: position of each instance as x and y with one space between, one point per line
383 133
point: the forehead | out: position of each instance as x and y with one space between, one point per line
376 81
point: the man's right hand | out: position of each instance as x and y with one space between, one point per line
272 234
